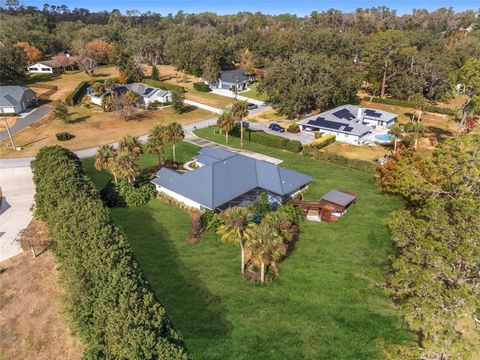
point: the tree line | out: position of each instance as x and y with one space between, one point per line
393 55
109 305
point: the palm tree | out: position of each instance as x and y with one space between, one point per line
225 123
239 111
235 229
131 146
125 167
174 134
156 144
105 159
265 245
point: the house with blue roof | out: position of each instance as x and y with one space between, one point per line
349 123
223 179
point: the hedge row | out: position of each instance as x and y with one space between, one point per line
109 304
320 143
201 86
264 138
76 95
164 86
431 108
339 159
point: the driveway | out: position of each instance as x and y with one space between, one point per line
25 121
18 190
231 94
303 137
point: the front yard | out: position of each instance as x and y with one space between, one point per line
92 127
254 94
326 303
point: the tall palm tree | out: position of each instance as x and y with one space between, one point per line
155 143
264 245
225 123
125 167
239 111
131 146
174 134
105 159
235 229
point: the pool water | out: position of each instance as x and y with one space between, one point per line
384 138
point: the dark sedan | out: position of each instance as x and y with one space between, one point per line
276 127
251 106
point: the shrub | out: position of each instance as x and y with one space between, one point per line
293 128
317 134
339 159
64 136
76 95
322 142
210 220
127 194
294 146
164 85
201 86
108 303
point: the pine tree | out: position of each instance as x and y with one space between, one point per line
155 75
61 111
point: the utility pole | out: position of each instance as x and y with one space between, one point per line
9 134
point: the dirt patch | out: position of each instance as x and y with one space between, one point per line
10 121
30 321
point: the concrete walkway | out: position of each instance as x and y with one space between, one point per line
231 94
25 121
203 106
18 190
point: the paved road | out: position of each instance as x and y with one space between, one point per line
28 120
18 191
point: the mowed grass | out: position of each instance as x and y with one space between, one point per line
326 304
254 94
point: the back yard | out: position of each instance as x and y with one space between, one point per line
326 303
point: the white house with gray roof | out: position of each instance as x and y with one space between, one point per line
230 78
224 179
146 93
349 123
15 99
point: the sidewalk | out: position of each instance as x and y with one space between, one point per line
228 93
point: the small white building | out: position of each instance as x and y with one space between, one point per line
15 99
349 123
52 66
146 93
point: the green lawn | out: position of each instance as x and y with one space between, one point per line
254 94
326 303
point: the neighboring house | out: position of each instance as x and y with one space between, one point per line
51 66
260 72
146 93
231 78
15 99
224 179
349 123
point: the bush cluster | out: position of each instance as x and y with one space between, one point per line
77 94
339 159
431 108
164 86
293 128
264 138
64 136
110 305
127 193
320 143
201 86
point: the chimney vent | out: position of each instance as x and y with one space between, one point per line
360 114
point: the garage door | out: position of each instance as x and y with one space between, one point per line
7 110
225 87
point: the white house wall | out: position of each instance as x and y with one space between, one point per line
179 197
39 68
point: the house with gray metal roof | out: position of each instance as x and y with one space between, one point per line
230 78
15 99
146 93
349 123
224 179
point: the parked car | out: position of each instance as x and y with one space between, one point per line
276 127
246 124
251 106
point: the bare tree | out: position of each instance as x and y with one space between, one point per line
125 104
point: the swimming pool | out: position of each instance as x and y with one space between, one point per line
383 138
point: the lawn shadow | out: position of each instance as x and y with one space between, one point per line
191 307
79 119
188 108
439 133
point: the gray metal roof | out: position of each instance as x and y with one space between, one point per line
234 76
12 95
344 119
339 197
228 176
146 90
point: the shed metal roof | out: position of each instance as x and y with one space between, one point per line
339 197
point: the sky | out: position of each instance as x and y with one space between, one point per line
298 7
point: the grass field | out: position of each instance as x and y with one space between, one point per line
93 127
209 98
267 115
254 94
326 303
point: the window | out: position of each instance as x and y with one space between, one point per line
45 69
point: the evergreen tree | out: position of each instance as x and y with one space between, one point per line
61 111
155 75
178 101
